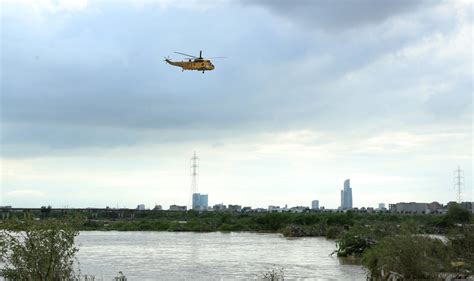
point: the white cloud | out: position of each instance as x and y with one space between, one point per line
24 193
49 6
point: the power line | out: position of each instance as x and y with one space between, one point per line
459 183
194 174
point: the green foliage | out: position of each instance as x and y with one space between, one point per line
333 232
37 250
272 221
361 237
462 246
353 245
457 214
412 256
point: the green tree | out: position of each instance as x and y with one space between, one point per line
32 250
457 214
462 246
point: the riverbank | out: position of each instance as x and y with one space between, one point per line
382 241
306 224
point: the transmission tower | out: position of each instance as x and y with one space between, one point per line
459 183
194 174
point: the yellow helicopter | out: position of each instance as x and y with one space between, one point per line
196 63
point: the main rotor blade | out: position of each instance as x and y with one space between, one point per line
217 58
185 55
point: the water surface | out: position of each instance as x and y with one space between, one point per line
208 256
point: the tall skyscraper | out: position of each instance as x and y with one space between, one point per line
346 195
315 204
200 201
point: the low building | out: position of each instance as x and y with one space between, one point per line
259 210
178 208
157 208
234 208
272 208
381 207
298 209
436 208
141 207
411 208
246 209
392 208
219 207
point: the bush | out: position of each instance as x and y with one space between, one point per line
412 256
333 232
457 214
462 246
37 250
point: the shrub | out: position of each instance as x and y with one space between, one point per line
412 256
457 214
37 250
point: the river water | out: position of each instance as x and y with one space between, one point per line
209 256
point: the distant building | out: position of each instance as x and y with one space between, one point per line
436 208
219 207
200 201
141 207
469 206
298 209
315 205
178 208
346 195
157 208
382 207
234 208
411 208
272 208
260 210
246 209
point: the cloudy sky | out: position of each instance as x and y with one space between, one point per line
312 93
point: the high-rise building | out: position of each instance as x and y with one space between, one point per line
315 205
346 195
200 201
204 201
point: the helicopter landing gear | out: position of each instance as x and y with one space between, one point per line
203 72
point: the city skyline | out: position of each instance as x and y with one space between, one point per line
308 97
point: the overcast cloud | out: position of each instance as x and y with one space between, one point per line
315 92
340 15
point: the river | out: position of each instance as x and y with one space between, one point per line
208 256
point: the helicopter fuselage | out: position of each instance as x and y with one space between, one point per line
193 64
